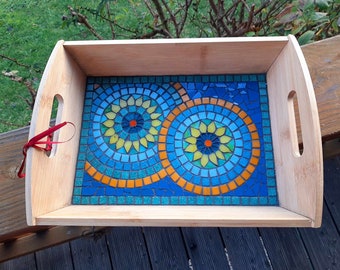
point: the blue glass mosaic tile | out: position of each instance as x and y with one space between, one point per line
176 140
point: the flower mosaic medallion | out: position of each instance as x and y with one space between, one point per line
176 140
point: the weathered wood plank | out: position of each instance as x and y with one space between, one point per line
244 247
323 60
90 252
53 258
332 187
323 244
127 248
205 248
285 248
26 262
166 248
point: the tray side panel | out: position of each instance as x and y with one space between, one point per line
299 177
197 216
49 179
194 56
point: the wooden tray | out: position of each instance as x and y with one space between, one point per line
50 178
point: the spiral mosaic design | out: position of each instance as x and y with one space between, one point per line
209 150
125 131
179 140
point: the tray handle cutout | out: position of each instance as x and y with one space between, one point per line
295 123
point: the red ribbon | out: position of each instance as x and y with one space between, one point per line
35 142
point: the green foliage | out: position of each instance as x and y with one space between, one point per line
29 29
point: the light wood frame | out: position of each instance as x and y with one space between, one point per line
49 179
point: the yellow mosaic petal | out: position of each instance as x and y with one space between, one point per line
150 138
127 146
191 148
213 158
155 115
111 115
224 149
220 131
110 132
139 101
122 103
225 139
156 123
146 104
114 139
151 109
195 132
108 123
143 142
153 131
120 143
197 155
136 145
211 127
219 154
115 108
203 128
204 160
191 140
131 101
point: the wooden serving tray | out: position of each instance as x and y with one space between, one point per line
182 132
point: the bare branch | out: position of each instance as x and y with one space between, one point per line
19 63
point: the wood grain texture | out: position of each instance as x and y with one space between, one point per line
128 248
244 248
299 177
54 258
285 248
166 248
26 262
90 253
205 248
323 59
323 244
176 56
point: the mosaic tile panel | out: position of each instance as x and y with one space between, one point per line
176 140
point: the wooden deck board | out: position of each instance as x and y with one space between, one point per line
56 257
205 248
285 248
245 249
128 248
166 248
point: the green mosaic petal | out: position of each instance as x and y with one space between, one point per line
153 131
114 139
204 160
139 101
156 123
224 149
155 115
195 132
120 143
131 101
115 108
127 146
146 104
219 154
122 103
191 140
220 131
213 158
197 155
191 148
211 127
144 142
225 139
136 145
150 138
109 132
151 109
108 123
110 115
203 128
